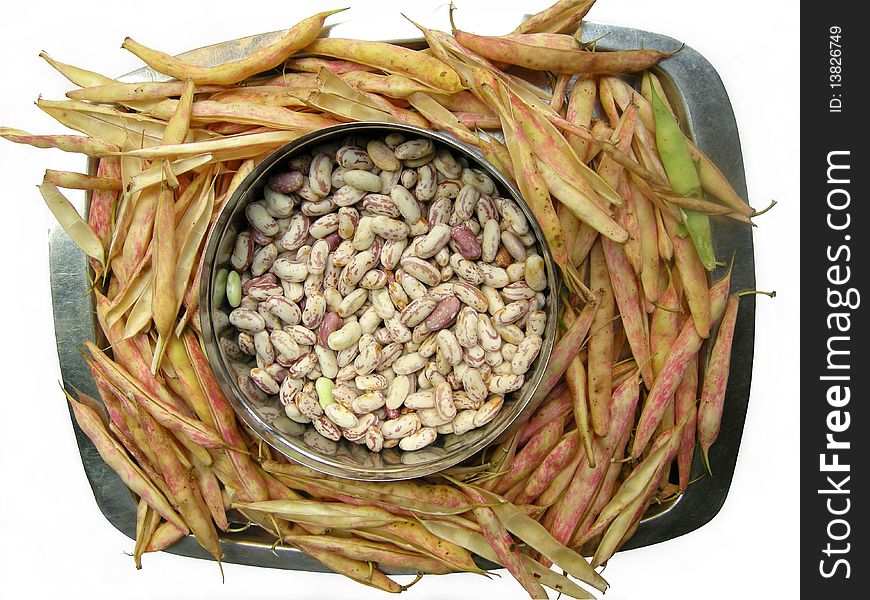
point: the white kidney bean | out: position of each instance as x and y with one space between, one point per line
353 302
347 336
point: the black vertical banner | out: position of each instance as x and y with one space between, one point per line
835 223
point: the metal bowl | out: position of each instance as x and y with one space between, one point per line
346 459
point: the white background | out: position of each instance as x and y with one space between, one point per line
54 540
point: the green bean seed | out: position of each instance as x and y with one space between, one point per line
324 387
234 288
220 287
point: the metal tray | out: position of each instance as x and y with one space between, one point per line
696 91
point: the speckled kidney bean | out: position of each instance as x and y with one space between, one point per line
509 333
426 183
389 353
442 257
278 205
247 320
466 327
263 348
403 426
449 346
527 351
414 149
421 270
246 343
382 156
466 270
478 179
444 314
487 335
272 322
315 309
285 182
317 257
391 253
470 296
351 157
448 189
389 229
369 355
409 363
486 210
301 335
464 205
511 313
288 270
488 411
352 302
406 203
446 164
284 309
418 335
358 266
296 234
243 251
320 175
474 356
374 279
417 311
319 208
323 226
495 277
514 217
419 439
326 361
398 295
331 322
263 290
347 220
466 242
303 365
389 180
260 219
439 212
434 241
285 345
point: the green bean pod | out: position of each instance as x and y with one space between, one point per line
683 177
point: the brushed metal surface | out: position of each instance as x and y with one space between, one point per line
699 96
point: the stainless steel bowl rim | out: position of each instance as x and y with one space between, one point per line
519 408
